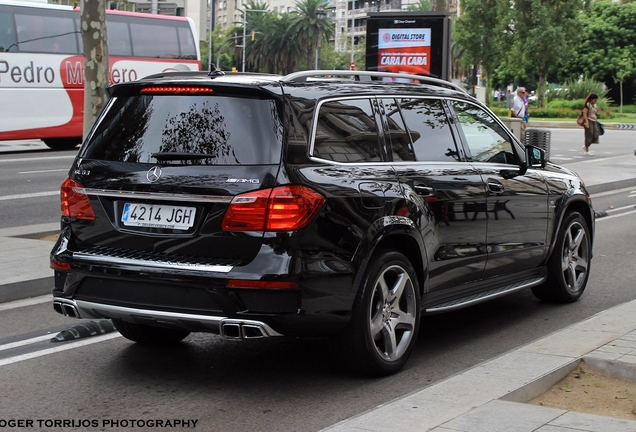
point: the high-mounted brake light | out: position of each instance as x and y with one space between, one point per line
284 208
74 201
176 90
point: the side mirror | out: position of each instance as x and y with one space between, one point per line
535 157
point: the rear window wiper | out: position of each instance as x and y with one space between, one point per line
171 156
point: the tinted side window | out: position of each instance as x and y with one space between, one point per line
487 141
429 129
346 131
226 130
398 135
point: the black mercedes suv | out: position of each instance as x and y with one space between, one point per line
321 203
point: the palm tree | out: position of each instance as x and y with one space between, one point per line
308 29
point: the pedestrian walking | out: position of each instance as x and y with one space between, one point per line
526 114
519 108
590 123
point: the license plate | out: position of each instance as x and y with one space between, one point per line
158 216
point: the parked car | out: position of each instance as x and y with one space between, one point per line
317 204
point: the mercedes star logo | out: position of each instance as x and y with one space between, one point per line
153 174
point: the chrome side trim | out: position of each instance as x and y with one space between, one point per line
84 256
158 196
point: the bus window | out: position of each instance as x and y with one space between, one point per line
7 31
186 43
118 39
51 33
154 40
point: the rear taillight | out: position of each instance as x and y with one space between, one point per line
74 201
284 208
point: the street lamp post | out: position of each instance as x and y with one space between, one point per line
320 14
244 32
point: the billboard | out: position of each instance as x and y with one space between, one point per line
409 42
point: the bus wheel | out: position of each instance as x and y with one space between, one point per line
62 143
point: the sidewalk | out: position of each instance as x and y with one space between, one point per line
489 397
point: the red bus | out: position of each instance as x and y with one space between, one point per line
42 66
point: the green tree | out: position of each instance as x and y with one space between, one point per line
606 44
420 6
545 34
480 33
309 29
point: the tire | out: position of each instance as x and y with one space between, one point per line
569 264
62 143
385 317
149 335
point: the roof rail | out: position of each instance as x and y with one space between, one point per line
367 75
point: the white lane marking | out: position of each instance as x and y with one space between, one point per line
43 171
26 342
615 216
36 159
62 347
615 192
28 195
26 302
617 209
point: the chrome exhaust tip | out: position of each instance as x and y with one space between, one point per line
66 308
237 329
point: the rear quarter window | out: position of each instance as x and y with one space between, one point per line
227 130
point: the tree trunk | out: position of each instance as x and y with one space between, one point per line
93 30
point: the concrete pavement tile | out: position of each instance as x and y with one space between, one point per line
519 368
625 342
502 416
551 428
612 348
631 358
571 342
604 355
619 319
594 423
400 416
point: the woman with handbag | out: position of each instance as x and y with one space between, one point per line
590 123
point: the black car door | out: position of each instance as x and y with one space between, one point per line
516 206
441 186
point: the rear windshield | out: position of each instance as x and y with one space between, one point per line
219 130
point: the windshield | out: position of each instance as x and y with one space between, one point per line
170 129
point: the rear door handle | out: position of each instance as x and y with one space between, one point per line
424 190
495 187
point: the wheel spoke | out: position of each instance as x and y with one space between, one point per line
575 243
389 341
377 325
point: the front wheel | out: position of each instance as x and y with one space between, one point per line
569 264
385 317
149 335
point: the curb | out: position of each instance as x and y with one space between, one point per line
26 289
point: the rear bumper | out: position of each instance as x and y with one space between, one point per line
227 327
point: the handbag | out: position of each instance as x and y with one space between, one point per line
580 120
601 129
